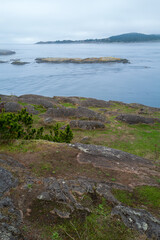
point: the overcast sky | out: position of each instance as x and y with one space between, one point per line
27 21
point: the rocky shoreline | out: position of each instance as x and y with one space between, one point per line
52 189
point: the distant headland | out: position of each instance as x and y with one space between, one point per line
126 38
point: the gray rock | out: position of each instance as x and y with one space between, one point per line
110 154
79 112
31 110
134 119
140 220
19 63
89 125
3 61
7 160
10 223
6 52
12 107
84 102
7 181
38 100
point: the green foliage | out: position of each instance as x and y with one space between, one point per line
19 126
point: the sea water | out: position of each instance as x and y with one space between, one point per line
137 82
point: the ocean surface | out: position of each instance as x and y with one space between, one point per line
137 82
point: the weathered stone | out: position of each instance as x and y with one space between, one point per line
84 102
10 223
19 63
80 60
6 181
134 119
89 125
139 219
12 107
7 160
31 110
111 154
38 100
79 112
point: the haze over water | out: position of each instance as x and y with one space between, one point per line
136 82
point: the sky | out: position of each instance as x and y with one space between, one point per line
29 21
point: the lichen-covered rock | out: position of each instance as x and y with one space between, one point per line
84 102
134 119
80 60
10 221
7 181
89 125
139 219
79 112
38 100
12 107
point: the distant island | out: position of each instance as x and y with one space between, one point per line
126 38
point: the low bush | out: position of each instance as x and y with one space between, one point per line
16 126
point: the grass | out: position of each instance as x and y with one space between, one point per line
82 225
141 197
68 105
38 108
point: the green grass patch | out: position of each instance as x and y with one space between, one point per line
147 196
68 105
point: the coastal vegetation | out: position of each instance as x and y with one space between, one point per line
106 179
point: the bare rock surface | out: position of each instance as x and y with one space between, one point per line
89 125
38 100
19 63
80 60
119 161
84 102
12 107
134 119
79 112
140 220
7 181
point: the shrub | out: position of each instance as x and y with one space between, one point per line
19 126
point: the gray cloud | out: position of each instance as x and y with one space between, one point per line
34 20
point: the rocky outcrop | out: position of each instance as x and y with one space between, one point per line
3 61
89 125
80 60
134 119
84 102
12 107
38 100
6 52
79 112
140 220
19 63
7 181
